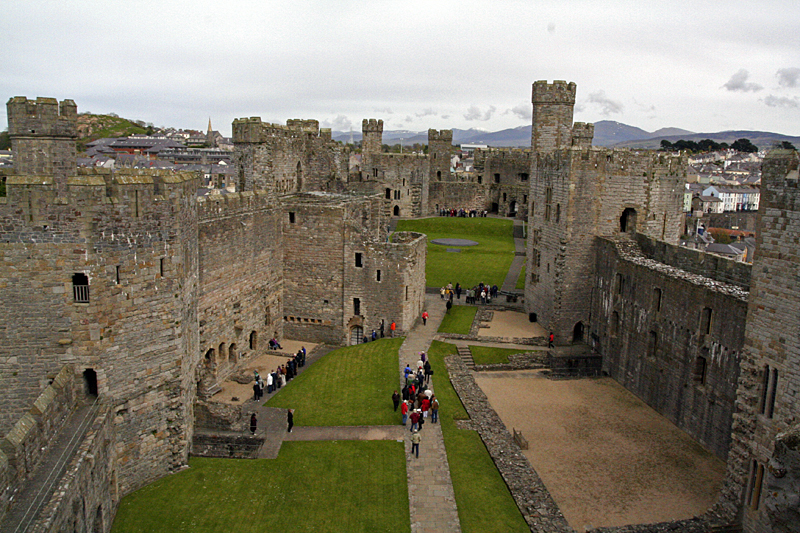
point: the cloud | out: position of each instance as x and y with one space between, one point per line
788 77
409 118
523 111
340 123
738 82
551 28
474 113
445 117
426 112
607 105
781 101
384 110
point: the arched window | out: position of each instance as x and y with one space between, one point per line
253 340
90 382
232 353
396 211
627 221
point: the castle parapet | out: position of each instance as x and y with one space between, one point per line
43 117
558 92
440 136
582 134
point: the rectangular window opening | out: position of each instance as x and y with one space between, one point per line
291 217
356 306
359 262
378 275
117 274
161 267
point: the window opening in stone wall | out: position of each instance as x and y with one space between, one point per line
754 490
161 267
480 179
291 217
377 275
90 382
375 172
700 368
388 194
232 353
627 221
136 203
497 178
504 197
577 332
524 198
80 288
299 176
253 340
547 212
404 182
558 213
773 386
117 274
356 306
209 359
406 293
396 211
223 351
359 262
652 344
657 299
532 317
619 283
397 195
438 173
614 324
523 176
705 321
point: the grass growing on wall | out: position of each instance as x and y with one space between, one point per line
484 502
351 386
354 486
488 262
458 319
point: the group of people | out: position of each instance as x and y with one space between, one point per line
461 212
278 377
480 293
289 421
417 400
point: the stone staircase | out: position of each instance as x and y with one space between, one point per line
465 355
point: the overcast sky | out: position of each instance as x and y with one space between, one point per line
701 66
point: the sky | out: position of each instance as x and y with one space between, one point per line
701 66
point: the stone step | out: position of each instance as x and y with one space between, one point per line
731 528
465 355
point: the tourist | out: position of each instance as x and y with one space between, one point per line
428 371
434 410
458 291
415 440
374 335
448 305
253 423
415 418
550 340
424 318
290 419
396 400
404 411
425 405
443 291
392 329
270 383
256 390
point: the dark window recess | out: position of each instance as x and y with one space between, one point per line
523 176
700 370
356 306
705 321
117 274
80 288
359 262
378 275
497 178
291 217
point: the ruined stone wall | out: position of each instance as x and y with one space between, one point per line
400 179
86 498
553 105
769 383
241 280
672 338
446 195
506 174
371 136
133 235
286 159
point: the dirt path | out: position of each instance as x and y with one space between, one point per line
606 457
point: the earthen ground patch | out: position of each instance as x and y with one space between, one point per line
606 457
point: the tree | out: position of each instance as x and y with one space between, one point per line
744 145
786 145
666 146
5 140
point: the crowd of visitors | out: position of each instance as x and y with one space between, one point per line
461 212
278 377
480 293
416 400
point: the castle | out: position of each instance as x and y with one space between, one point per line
127 288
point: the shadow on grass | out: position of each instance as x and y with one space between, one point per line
484 502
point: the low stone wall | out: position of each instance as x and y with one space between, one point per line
517 361
25 442
218 416
534 501
86 497
226 446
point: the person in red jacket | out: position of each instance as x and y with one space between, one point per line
424 318
415 416
425 406
404 411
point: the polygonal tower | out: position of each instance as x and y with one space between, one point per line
552 115
372 132
440 144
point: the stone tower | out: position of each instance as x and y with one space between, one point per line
372 140
440 143
763 474
552 115
43 134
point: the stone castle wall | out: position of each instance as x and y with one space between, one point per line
400 178
506 174
672 338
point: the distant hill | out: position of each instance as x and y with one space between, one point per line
92 127
763 139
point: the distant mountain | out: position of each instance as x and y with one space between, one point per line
606 133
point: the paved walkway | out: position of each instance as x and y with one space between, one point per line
510 283
431 498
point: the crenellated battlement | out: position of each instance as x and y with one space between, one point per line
558 92
253 130
372 125
221 206
43 117
372 136
440 136
582 134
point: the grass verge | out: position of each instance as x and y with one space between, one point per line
521 280
488 262
458 320
484 502
356 486
351 386
487 355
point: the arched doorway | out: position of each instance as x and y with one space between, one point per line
577 332
210 360
512 208
90 382
253 340
627 221
356 335
232 354
396 211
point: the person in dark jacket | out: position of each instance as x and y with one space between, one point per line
253 423
290 419
395 400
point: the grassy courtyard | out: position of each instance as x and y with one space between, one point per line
488 262
477 484
488 355
335 390
311 486
458 320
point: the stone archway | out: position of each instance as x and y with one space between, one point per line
577 333
627 221
356 335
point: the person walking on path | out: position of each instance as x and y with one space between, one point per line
253 423
550 340
434 410
290 419
415 418
392 328
424 318
396 400
256 390
404 412
415 440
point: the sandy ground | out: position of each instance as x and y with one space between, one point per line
263 363
607 458
511 324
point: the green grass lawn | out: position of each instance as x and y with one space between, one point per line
458 319
354 486
488 262
484 503
521 279
351 386
486 355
